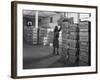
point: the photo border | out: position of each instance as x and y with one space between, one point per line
14 37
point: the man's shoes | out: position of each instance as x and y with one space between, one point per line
57 53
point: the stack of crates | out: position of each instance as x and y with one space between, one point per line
65 40
76 41
30 34
42 34
84 39
34 36
72 42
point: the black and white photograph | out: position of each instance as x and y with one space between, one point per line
56 39
53 39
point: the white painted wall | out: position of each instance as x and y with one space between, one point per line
5 41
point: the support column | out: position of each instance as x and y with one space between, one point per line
65 14
36 19
78 17
36 26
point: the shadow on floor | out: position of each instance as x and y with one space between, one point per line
42 57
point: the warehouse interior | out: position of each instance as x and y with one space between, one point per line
74 39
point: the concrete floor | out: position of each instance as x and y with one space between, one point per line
42 57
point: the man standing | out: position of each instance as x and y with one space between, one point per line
55 40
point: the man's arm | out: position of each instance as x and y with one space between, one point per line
60 28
